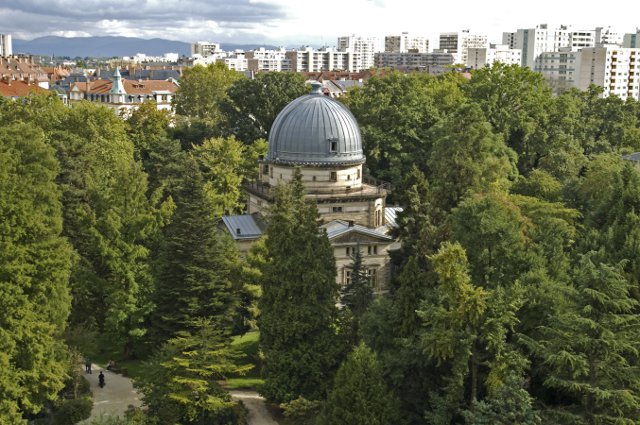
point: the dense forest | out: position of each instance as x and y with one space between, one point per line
515 297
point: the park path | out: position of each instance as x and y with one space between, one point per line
258 413
116 396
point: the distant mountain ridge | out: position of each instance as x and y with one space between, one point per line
110 46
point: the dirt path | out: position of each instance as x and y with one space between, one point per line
114 398
258 413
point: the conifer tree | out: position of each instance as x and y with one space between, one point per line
590 349
197 266
360 395
298 304
180 384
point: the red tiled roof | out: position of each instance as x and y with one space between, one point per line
130 86
19 89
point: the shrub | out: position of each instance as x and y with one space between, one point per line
69 412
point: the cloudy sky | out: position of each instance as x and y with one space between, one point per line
297 22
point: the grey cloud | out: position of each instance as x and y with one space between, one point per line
167 18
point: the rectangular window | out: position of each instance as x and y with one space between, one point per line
372 249
337 209
271 172
372 275
333 176
334 146
358 173
347 277
348 250
266 168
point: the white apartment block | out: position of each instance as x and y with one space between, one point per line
434 63
235 61
205 48
308 59
459 43
616 69
6 48
268 60
406 42
560 69
480 57
363 49
543 39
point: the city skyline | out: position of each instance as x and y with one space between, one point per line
290 23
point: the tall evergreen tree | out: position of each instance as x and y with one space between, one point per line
360 395
589 351
35 265
180 383
358 293
197 266
298 304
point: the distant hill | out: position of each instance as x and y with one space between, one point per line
110 46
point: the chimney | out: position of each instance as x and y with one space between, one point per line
351 223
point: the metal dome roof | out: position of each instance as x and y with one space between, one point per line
315 130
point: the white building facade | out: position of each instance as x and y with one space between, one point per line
459 43
615 69
363 50
6 48
405 43
480 57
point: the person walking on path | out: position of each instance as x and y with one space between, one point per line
87 365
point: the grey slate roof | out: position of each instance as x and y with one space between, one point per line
632 157
242 227
390 216
304 130
338 228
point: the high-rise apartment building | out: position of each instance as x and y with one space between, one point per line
363 49
406 42
434 63
5 45
543 38
458 43
560 69
205 48
326 59
615 69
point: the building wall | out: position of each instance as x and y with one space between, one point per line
616 69
377 263
6 48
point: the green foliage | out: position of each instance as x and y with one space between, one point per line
360 395
466 327
35 265
222 162
515 101
467 157
357 295
395 113
197 267
72 411
589 350
253 104
298 303
507 405
302 411
202 89
181 385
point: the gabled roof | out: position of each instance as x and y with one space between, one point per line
19 88
243 227
130 86
337 228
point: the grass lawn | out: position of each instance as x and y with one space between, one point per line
247 344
